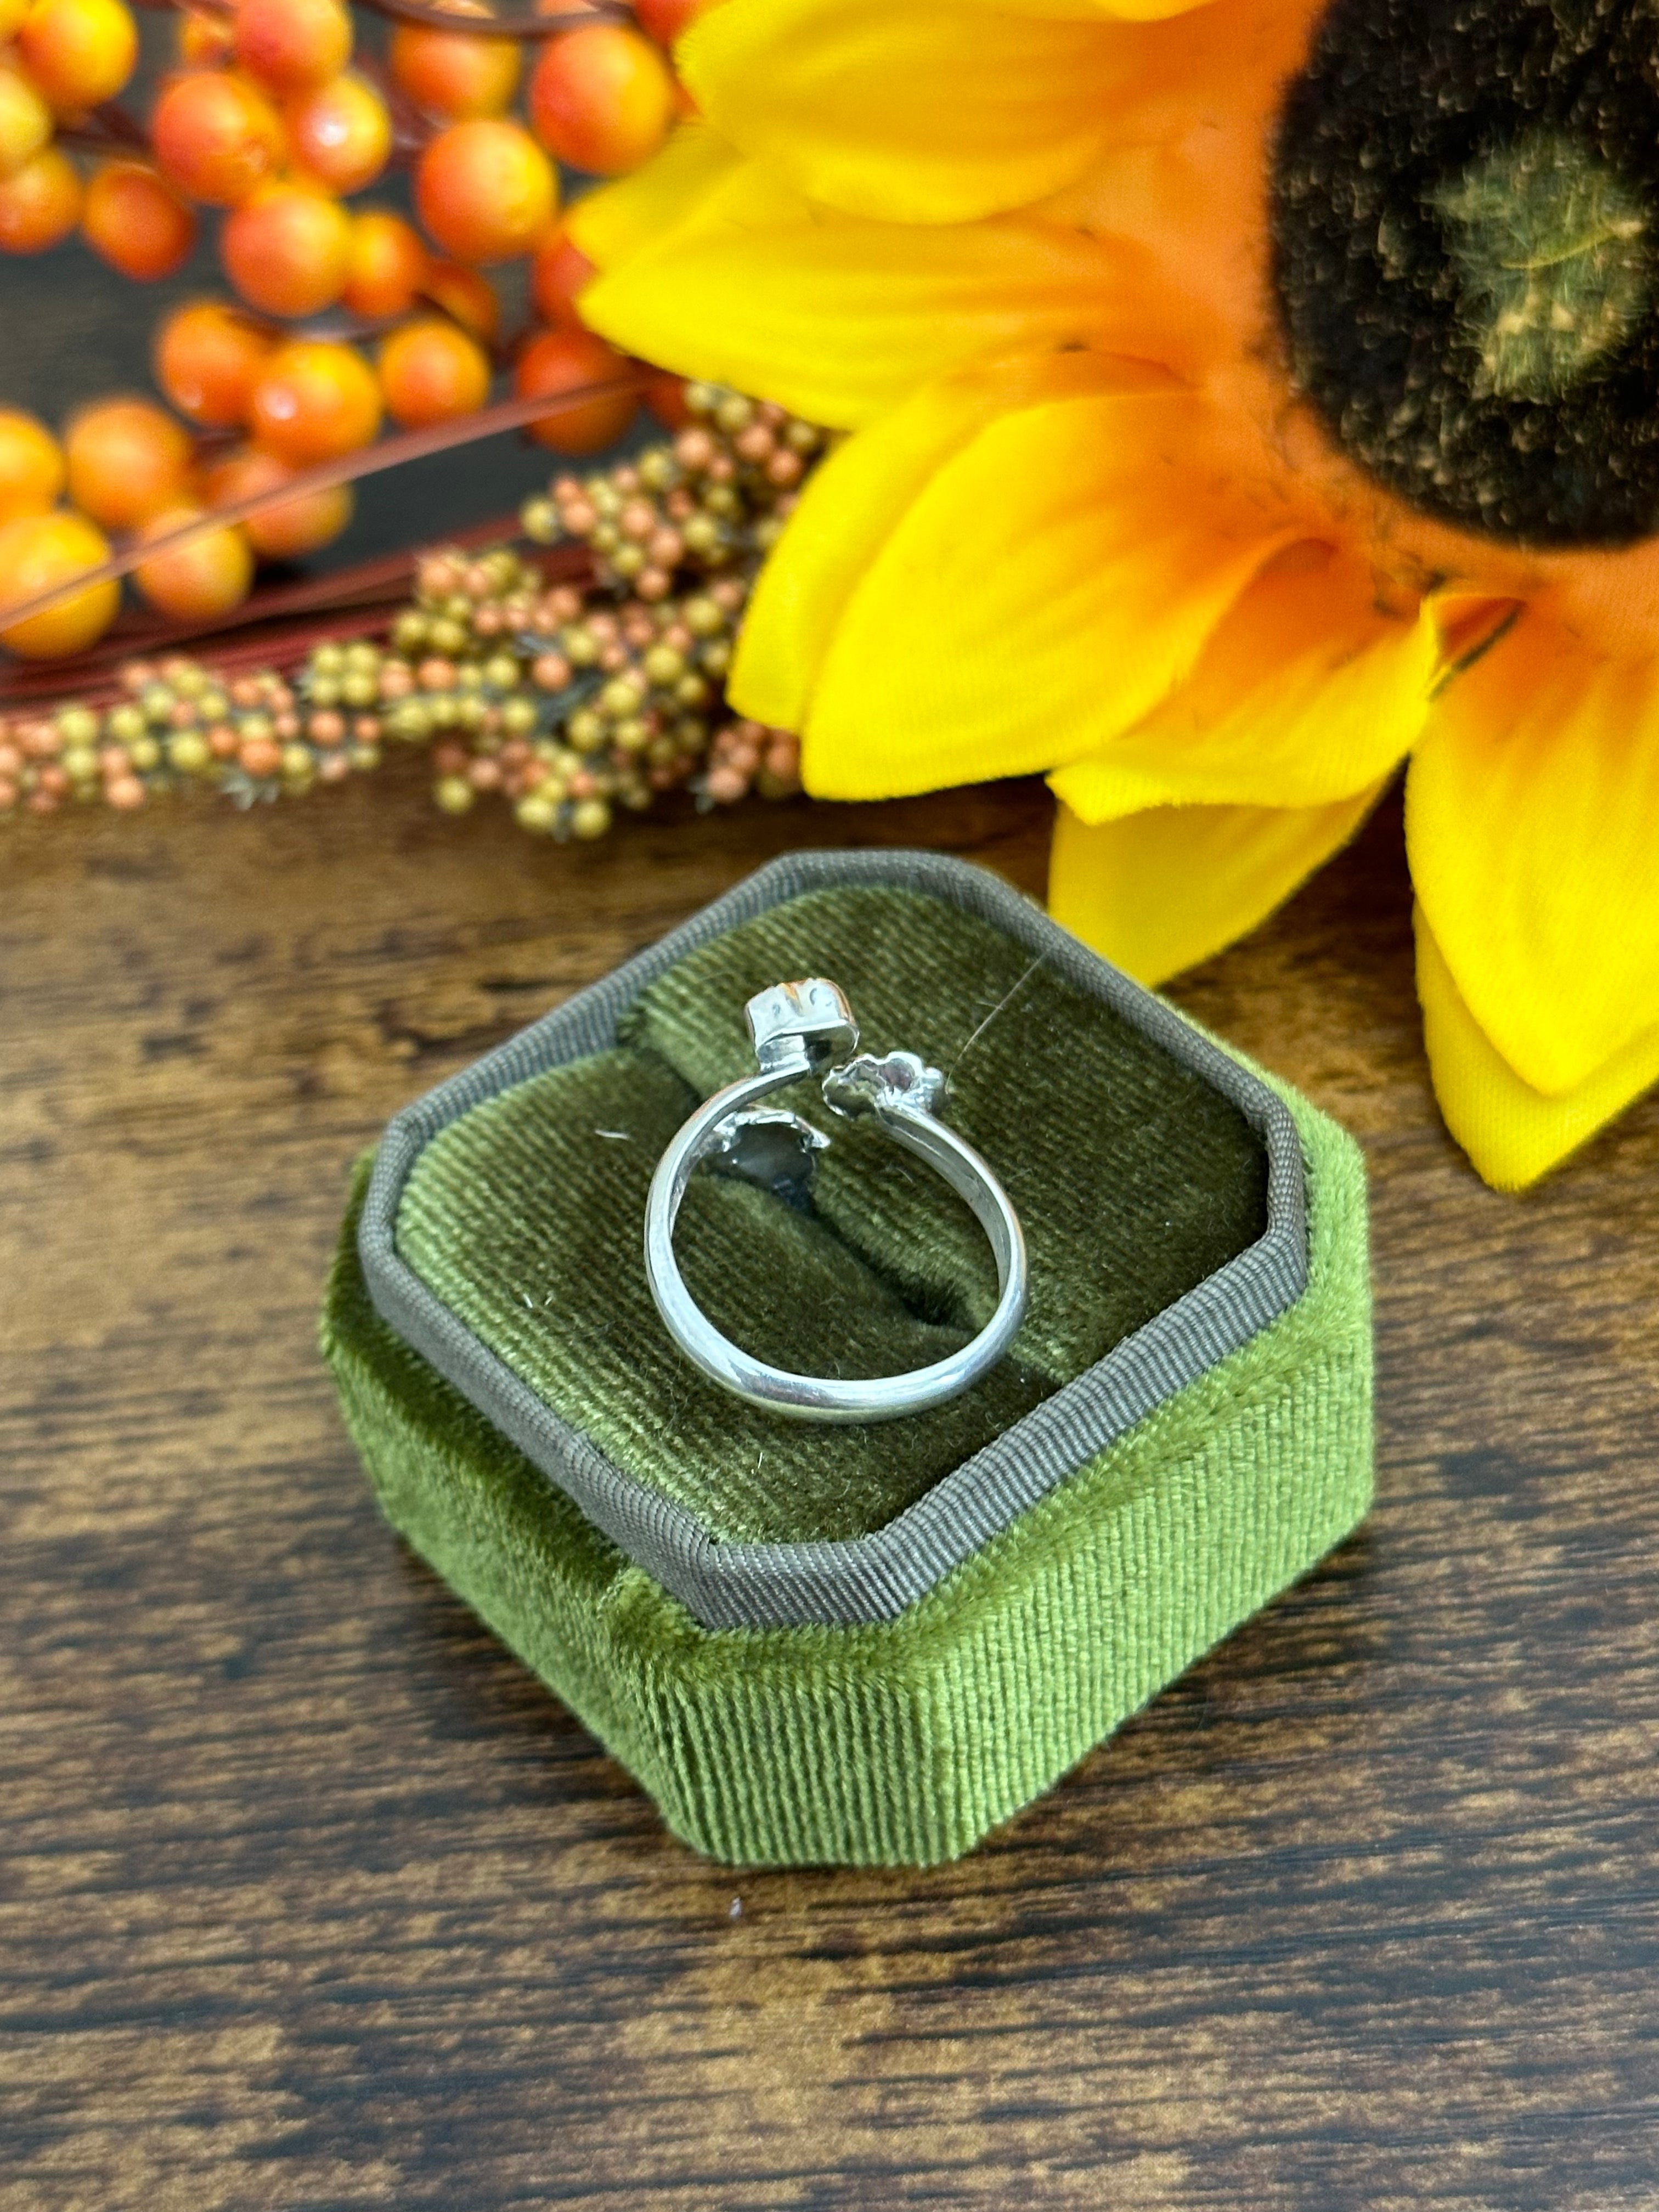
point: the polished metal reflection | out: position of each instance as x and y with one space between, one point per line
799 1030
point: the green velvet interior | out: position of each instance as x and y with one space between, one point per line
1133 1179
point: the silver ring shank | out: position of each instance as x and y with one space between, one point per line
819 1398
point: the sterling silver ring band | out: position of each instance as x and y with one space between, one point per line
799 1030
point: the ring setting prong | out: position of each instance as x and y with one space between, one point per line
804 1026
899 1082
775 1151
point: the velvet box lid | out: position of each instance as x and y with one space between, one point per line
873 1643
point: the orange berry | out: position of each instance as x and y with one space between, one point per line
465 296
341 132
556 362
137 223
295 526
288 249
199 582
485 190
78 51
39 204
31 465
36 552
288 45
431 370
664 20
558 272
127 460
453 74
12 12
205 41
216 136
25 121
208 359
388 265
260 757
602 98
314 400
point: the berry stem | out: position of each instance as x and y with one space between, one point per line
106 129
501 27
412 132
369 460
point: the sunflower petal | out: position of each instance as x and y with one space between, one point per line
1529 814
1158 892
840 318
670 192
1135 11
1307 692
1120 11
1054 580
855 499
917 111
1511 1132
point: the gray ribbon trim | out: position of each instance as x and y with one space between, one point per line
871 1578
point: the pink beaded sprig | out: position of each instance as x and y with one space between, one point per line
569 700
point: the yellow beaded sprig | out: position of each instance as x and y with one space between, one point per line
569 702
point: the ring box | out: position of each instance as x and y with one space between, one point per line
867 1644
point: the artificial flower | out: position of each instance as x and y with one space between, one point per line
1244 398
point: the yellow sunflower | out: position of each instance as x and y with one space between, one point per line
1243 397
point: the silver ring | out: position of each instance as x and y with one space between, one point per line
799 1030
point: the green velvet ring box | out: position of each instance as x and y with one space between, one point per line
865 1644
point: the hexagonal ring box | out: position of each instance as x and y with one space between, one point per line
868 1643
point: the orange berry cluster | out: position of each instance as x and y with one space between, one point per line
270 118
569 702
59 59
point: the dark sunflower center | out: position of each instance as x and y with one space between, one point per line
1466 256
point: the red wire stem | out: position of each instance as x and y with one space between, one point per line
502 26
107 130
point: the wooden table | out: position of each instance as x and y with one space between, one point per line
312 1898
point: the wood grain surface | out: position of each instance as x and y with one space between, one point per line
309 1897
